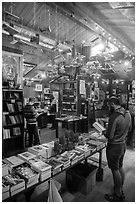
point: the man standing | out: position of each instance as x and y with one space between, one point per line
118 126
31 119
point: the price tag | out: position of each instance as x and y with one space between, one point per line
12 101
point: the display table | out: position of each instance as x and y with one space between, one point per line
29 190
76 123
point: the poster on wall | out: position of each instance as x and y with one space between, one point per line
38 87
11 69
82 87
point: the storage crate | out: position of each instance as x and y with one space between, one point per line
81 177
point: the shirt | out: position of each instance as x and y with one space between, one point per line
118 126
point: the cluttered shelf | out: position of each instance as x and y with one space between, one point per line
34 159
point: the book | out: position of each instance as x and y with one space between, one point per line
20 118
5 168
16 183
12 119
13 161
26 156
6 133
41 167
38 150
26 172
10 107
17 119
98 127
16 131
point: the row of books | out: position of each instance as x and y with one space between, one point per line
15 132
12 95
14 107
11 119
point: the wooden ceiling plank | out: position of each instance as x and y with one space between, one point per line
96 16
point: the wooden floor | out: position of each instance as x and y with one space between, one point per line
97 194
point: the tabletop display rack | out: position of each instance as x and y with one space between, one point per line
12 121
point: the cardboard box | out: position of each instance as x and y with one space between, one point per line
81 177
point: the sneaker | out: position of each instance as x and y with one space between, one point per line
114 198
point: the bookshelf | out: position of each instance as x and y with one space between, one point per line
69 98
47 100
12 121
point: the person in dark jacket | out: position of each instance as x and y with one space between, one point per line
118 126
31 119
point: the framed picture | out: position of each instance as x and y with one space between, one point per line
12 66
38 87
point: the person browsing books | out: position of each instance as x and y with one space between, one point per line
31 119
117 130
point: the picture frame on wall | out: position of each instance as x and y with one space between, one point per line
38 87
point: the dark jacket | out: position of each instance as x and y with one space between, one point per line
30 114
118 126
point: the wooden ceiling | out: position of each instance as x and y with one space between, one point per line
67 24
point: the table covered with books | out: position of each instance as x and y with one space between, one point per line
75 123
23 172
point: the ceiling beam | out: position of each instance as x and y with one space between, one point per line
92 13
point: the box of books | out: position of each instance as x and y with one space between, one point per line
26 156
43 169
5 168
5 189
39 150
25 171
16 183
13 161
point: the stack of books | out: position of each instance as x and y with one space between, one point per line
79 154
56 165
73 157
5 189
64 160
42 168
16 183
26 156
84 149
25 171
13 161
5 168
50 148
96 143
39 150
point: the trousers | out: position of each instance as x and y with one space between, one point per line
33 134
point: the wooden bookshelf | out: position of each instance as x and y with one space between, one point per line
12 121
